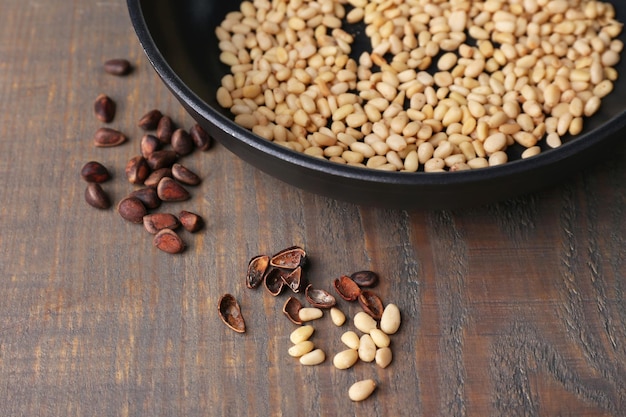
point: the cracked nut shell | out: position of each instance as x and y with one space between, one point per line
346 288
230 313
257 268
289 258
318 297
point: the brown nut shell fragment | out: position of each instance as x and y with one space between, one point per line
230 313
346 288
367 279
155 222
190 221
162 159
148 196
289 258
155 177
318 297
117 66
96 197
292 308
165 128
257 267
94 171
274 282
104 108
201 138
294 279
168 241
185 175
137 170
170 190
105 137
150 120
132 209
182 142
148 145
371 304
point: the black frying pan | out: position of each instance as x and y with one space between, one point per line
178 39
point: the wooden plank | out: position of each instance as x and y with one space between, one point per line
516 308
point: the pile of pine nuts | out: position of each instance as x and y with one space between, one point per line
373 345
448 84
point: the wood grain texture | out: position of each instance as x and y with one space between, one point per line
513 309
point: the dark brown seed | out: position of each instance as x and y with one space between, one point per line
230 313
294 279
201 138
371 304
168 241
137 170
365 278
117 66
148 196
170 190
150 120
156 222
274 282
94 171
182 142
319 298
291 308
104 108
162 159
165 128
185 175
149 144
257 267
346 288
132 209
96 197
106 137
289 258
156 176
191 221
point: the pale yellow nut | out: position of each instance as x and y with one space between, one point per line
301 334
345 359
314 357
367 348
380 338
350 339
361 390
301 349
390 320
384 357
310 313
364 322
337 317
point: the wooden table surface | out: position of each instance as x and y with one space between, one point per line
516 308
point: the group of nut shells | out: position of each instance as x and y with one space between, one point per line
376 322
156 170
